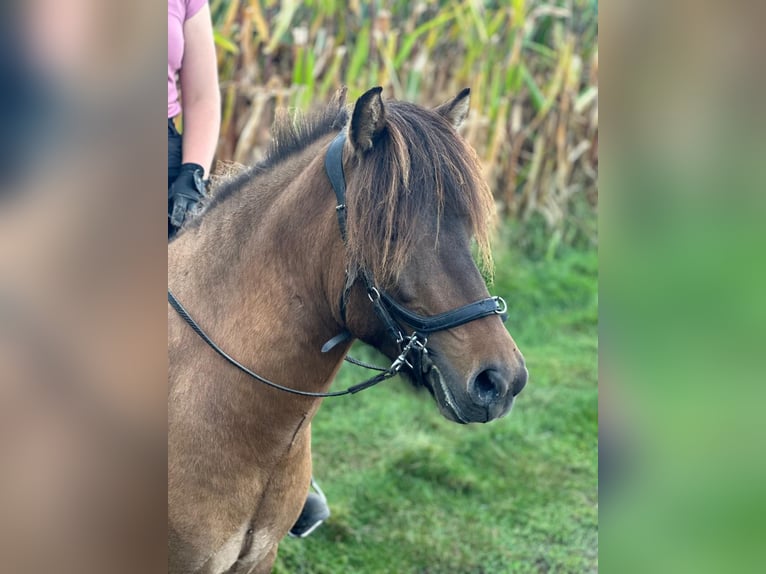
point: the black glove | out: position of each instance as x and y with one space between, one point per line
187 191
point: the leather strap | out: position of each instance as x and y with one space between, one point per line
181 310
336 340
449 319
333 164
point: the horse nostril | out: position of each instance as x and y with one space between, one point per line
487 387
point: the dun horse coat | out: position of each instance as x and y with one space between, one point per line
263 269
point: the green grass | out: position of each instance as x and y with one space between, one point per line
411 492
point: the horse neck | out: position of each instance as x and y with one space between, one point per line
263 272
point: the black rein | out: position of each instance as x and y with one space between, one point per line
176 304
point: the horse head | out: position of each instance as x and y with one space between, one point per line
416 204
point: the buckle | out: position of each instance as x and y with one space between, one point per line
413 342
503 305
373 294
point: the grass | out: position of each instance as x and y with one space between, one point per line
411 492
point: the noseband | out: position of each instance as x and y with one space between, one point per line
392 315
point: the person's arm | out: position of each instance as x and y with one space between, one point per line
200 94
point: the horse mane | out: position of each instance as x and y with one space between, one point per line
418 170
288 137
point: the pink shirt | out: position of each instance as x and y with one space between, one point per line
179 11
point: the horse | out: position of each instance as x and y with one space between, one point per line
358 224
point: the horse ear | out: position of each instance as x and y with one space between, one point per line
368 120
456 110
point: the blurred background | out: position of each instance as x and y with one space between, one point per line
410 491
683 315
83 269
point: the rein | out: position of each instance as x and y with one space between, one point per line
390 313
176 304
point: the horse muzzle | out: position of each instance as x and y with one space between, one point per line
483 396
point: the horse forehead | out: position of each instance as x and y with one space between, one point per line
446 253
447 233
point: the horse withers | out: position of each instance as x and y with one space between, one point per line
270 276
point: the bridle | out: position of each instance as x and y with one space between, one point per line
412 347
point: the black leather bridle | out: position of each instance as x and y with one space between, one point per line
389 312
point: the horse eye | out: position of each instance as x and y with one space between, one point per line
403 293
404 298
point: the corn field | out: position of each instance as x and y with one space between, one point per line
532 67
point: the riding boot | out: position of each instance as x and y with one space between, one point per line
315 511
